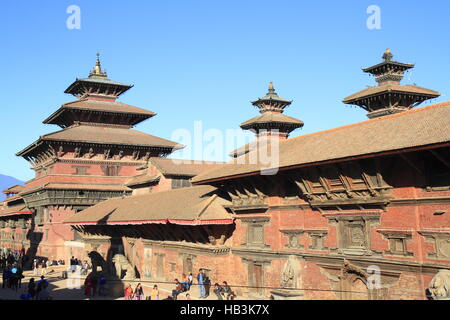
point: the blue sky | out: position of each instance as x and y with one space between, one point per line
206 60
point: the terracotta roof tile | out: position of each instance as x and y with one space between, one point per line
390 88
415 128
179 167
272 117
99 105
104 135
14 210
200 206
77 186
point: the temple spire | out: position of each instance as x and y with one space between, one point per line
387 56
271 88
97 70
272 121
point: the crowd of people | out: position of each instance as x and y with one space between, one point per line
222 291
11 264
204 283
37 290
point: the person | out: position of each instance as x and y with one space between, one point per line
5 277
41 290
93 286
190 279
32 288
13 280
154 294
43 268
218 291
128 292
185 282
85 267
207 284
138 292
35 267
178 289
20 276
227 292
87 286
73 264
201 279
188 296
102 286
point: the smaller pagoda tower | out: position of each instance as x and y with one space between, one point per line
272 122
389 96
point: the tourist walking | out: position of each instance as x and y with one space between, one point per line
43 268
138 292
128 292
35 267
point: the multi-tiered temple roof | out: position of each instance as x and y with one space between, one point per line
389 96
272 119
96 120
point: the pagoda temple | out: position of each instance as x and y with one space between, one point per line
271 123
88 161
389 96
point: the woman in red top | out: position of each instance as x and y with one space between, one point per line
128 292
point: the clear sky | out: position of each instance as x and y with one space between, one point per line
207 59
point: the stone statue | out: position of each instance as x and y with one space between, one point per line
121 264
97 261
212 240
288 275
439 286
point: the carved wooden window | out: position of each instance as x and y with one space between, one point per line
38 217
317 240
397 241
181 183
256 277
333 179
80 170
111 170
314 181
354 173
356 235
187 265
256 234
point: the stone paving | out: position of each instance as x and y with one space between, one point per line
60 289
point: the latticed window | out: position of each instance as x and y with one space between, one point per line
181 183
255 234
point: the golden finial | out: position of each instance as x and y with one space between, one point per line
97 71
387 55
271 88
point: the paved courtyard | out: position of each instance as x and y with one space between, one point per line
67 289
